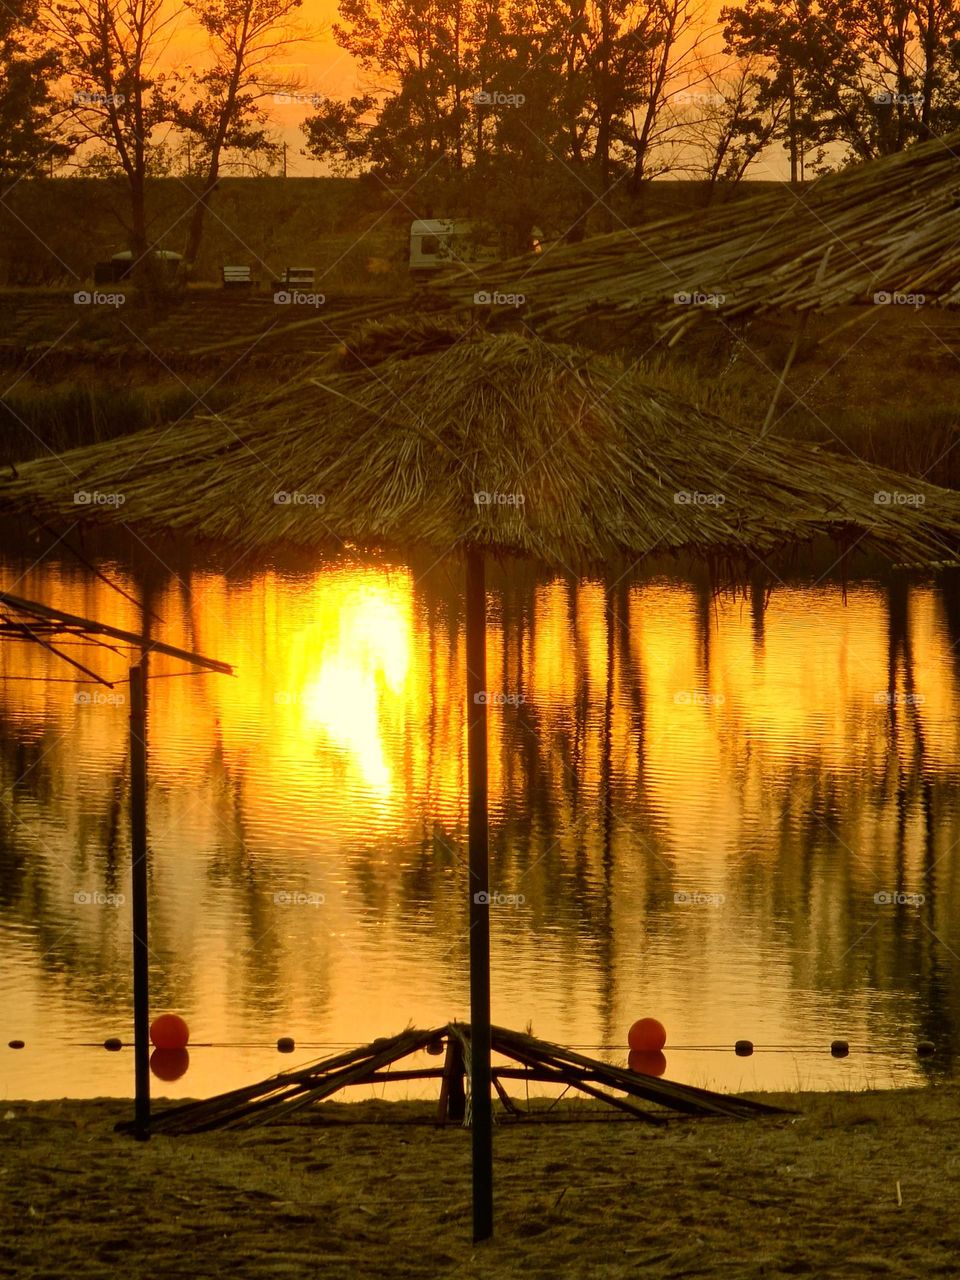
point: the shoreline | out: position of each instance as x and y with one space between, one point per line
856 1184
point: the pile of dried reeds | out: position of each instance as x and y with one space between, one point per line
527 1060
888 227
497 441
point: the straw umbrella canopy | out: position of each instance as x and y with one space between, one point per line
888 227
451 438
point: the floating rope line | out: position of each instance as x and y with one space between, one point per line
836 1048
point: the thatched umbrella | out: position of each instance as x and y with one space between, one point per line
402 437
888 227
466 442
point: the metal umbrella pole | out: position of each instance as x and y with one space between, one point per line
479 881
141 954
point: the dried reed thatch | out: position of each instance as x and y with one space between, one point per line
499 442
889 226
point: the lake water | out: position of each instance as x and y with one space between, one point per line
741 817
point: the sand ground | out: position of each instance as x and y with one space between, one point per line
815 1195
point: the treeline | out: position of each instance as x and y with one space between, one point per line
636 90
137 89
544 111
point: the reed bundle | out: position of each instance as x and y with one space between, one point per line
886 227
497 441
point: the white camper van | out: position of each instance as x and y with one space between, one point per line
443 242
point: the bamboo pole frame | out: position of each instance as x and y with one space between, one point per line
529 1059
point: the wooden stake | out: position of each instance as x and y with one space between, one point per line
503 1095
453 1096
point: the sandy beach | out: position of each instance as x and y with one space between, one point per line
857 1184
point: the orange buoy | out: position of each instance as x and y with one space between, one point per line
169 1031
647 1035
16 1044
113 1044
169 1064
647 1064
286 1044
435 1047
743 1048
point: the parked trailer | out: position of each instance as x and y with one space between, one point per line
443 242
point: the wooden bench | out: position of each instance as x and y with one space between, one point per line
237 277
295 278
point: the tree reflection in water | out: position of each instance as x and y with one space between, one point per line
651 746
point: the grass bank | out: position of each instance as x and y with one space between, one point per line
37 420
885 389
856 1185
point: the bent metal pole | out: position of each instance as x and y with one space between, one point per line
479 882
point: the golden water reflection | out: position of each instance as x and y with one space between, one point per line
695 805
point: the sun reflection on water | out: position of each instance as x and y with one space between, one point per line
349 671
